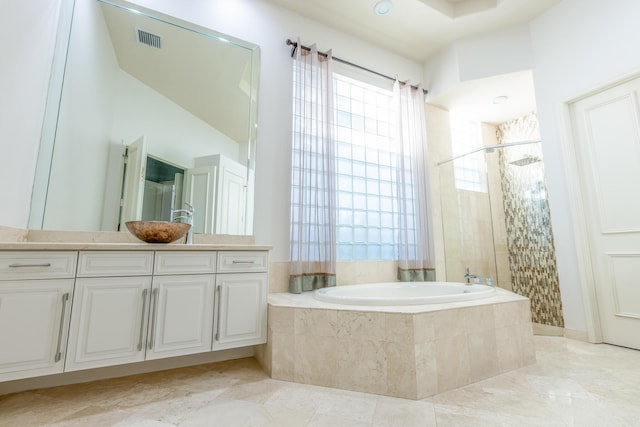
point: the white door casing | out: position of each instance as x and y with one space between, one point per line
133 188
607 150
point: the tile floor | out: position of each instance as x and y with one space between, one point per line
572 384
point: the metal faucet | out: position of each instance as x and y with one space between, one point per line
187 216
469 276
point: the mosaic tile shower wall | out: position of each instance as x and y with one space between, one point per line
532 258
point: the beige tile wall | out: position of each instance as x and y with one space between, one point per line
10 234
347 273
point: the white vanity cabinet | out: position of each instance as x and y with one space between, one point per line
63 311
35 299
182 304
110 309
241 305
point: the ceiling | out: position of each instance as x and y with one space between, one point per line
417 29
214 87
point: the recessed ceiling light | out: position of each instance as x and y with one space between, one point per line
500 99
383 7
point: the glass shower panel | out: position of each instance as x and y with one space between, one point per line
467 219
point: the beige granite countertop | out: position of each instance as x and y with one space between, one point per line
13 239
91 246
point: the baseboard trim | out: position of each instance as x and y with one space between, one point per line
88 375
577 335
548 330
557 331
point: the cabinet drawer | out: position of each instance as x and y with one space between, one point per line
240 261
37 265
115 263
185 262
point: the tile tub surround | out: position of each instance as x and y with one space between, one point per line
411 352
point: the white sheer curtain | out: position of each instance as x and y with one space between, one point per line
313 199
415 228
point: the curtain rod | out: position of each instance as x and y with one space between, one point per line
294 46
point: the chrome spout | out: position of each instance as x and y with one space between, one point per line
469 276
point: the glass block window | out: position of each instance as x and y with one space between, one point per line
470 171
366 185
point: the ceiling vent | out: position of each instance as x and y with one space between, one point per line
149 39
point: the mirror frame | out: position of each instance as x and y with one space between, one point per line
55 90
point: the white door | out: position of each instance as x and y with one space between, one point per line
241 310
34 318
134 177
109 322
181 319
606 126
230 205
200 192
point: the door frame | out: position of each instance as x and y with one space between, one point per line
568 144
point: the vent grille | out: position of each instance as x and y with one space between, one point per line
149 39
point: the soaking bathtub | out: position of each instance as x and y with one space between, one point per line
403 293
409 340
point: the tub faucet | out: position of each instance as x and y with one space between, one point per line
469 276
186 215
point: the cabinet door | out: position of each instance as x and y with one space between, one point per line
34 319
230 205
200 190
241 310
181 319
109 322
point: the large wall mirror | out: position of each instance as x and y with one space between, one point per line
153 113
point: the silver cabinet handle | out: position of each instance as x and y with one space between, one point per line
154 296
217 333
235 261
144 308
20 265
65 298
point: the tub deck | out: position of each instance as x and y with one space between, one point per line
411 351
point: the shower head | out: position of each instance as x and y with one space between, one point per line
526 160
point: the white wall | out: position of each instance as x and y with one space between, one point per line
578 45
28 32
78 171
172 132
497 52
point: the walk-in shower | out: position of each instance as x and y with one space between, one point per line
496 222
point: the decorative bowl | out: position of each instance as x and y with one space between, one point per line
158 231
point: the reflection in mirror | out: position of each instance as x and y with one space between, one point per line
162 190
154 113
